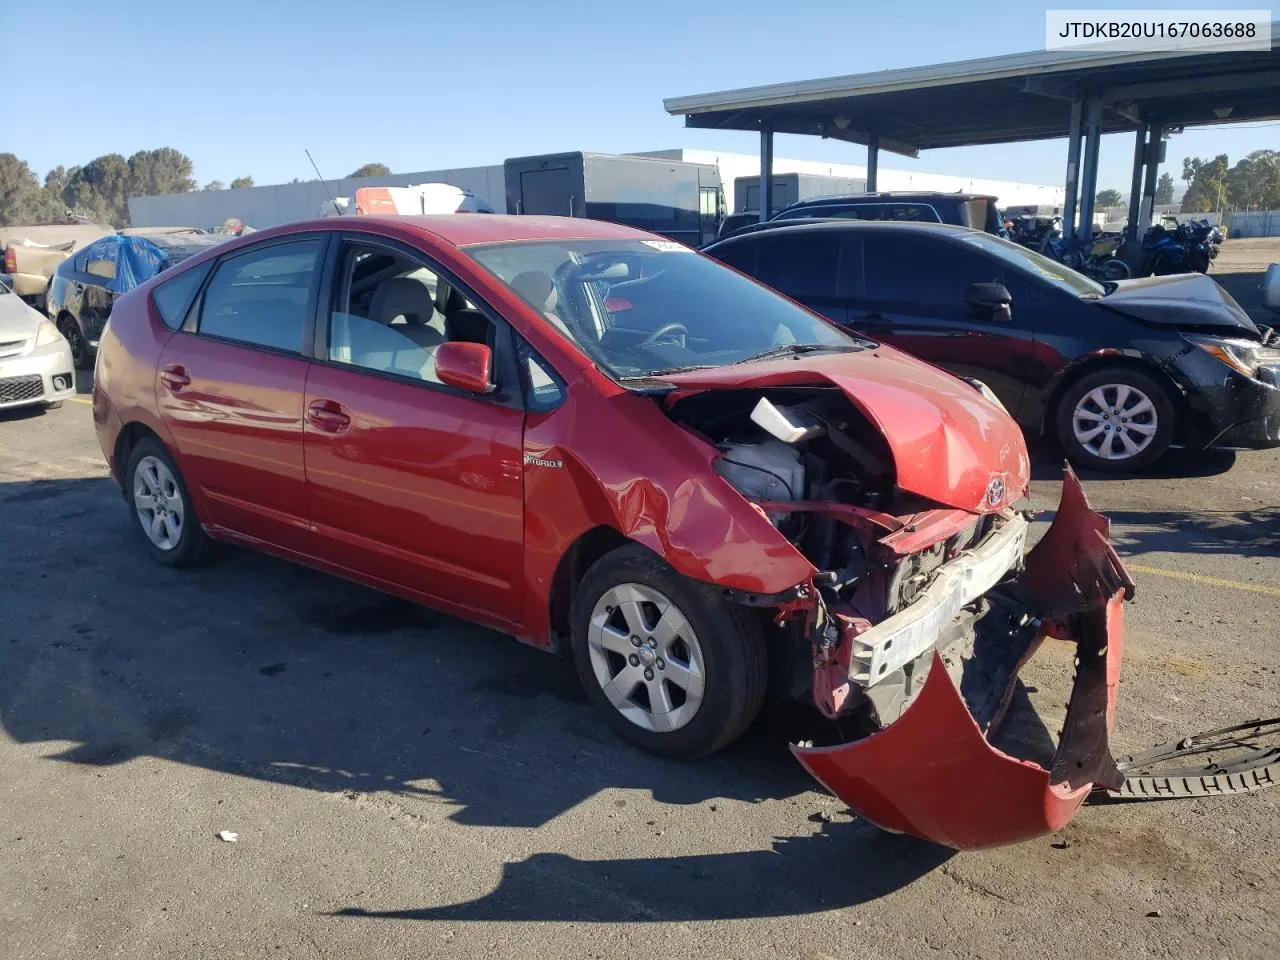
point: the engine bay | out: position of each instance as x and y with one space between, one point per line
824 477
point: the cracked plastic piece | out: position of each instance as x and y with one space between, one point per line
933 772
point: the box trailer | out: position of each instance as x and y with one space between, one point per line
790 187
683 201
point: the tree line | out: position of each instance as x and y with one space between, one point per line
1252 184
100 189
1114 198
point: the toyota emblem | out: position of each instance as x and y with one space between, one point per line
995 491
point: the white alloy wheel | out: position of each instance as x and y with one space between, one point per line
158 502
1115 421
646 657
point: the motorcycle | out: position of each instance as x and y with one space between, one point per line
1185 249
1031 231
1095 257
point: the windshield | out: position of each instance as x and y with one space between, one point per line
639 308
1040 265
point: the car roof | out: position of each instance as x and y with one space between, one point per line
889 195
835 224
462 229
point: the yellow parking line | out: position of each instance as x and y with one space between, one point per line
82 399
1207 581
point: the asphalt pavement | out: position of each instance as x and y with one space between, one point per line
403 784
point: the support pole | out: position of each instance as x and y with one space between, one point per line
766 173
1147 213
1073 171
1135 183
873 163
1089 166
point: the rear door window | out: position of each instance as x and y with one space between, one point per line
263 297
804 268
923 270
741 256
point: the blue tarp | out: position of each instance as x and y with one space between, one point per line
137 260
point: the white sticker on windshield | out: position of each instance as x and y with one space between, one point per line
667 246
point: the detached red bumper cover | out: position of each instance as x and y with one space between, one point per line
933 774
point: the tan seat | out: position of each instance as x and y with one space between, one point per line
409 299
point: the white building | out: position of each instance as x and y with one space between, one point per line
733 165
268 206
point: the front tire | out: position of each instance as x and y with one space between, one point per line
676 670
1117 419
162 506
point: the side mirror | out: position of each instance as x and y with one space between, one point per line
466 366
1270 287
990 298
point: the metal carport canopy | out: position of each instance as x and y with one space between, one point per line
1021 96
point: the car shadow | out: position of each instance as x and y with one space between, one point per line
843 865
1047 458
262 669
16 414
1240 533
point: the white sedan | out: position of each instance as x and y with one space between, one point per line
35 359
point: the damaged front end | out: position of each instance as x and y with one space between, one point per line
932 771
924 606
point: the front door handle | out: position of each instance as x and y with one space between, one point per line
328 415
174 376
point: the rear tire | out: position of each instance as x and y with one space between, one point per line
82 355
1116 270
1116 419
161 506
676 670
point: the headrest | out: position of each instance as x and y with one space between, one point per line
405 297
536 288
471 326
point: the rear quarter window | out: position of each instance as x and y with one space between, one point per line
173 297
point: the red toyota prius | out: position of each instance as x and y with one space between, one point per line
610 446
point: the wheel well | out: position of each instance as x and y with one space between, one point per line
1176 395
575 562
128 438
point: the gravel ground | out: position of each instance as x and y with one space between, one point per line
404 784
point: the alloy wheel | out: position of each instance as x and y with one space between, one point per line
1115 421
646 657
158 502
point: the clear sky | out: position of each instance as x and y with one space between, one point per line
242 87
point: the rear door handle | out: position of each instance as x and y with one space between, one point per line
328 415
174 376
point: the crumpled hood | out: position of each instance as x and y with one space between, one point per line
17 320
949 443
1181 300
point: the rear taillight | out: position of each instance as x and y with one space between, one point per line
10 260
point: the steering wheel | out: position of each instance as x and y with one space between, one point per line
665 332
